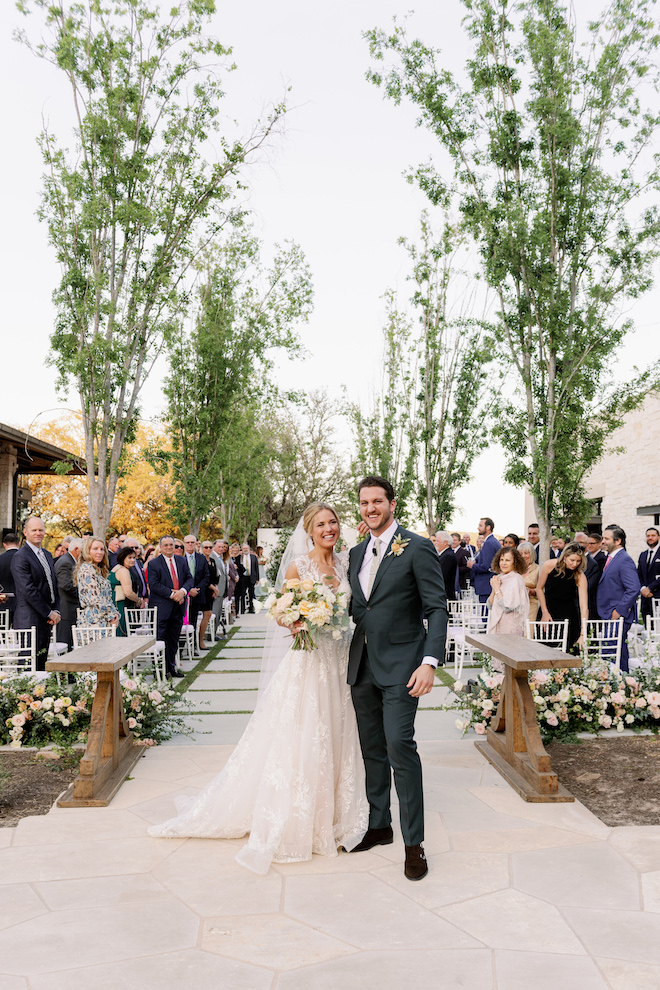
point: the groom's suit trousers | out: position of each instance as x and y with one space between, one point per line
386 723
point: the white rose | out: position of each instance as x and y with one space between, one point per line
563 695
630 718
458 686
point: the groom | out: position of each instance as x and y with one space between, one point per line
396 581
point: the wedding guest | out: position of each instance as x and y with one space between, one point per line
466 541
148 554
35 584
251 577
239 585
169 582
563 593
557 545
91 578
221 557
592 573
69 601
648 571
480 570
462 554
138 577
123 590
113 549
447 563
178 548
511 540
619 585
531 576
199 570
235 574
595 549
206 605
534 537
58 551
10 542
509 601
262 563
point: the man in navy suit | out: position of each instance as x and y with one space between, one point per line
648 571
170 581
480 572
37 594
199 570
10 543
619 586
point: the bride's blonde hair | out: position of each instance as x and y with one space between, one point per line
312 511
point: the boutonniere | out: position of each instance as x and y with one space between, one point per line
398 546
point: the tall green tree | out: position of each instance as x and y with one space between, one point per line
431 417
382 436
307 464
128 209
457 383
548 146
220 384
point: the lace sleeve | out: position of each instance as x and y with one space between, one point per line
305 567
341 564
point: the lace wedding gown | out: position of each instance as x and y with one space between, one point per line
295 781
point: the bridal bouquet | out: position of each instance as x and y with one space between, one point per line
316 604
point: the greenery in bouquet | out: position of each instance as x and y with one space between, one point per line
43 712
312 602
588 699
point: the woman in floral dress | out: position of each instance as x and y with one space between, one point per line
91 577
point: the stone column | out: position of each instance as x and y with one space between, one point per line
8 465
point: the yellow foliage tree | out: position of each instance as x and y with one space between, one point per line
141 502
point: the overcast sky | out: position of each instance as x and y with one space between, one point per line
332 182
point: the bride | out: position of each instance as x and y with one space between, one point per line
295 781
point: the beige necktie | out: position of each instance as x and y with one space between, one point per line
375 563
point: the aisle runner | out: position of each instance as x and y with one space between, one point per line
224 696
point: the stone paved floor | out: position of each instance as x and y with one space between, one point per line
519 897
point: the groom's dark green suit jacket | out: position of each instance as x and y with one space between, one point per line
407 588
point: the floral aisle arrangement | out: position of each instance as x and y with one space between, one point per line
41 712
315 603
568 701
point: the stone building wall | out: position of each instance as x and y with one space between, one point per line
631 479
628 480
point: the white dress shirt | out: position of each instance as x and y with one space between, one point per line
385 538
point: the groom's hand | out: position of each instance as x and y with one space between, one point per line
421 681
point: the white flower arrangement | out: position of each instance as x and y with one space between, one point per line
588 699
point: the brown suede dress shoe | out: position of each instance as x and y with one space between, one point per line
416 866
375 837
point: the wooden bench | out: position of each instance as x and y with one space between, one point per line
513 740
110 754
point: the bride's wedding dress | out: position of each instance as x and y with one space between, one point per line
295 781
